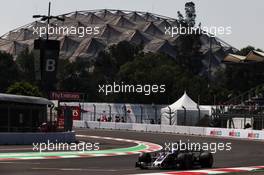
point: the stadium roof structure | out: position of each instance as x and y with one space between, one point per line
136 27
256 56
252 56
234 58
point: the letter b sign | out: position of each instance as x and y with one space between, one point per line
47 55
50 65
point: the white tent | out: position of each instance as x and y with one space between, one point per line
182 112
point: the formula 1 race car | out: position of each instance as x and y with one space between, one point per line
184 160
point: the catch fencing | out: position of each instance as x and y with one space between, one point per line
131 113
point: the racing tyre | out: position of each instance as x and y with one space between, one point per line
206 160
185 161
145 157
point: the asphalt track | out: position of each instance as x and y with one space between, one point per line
243 153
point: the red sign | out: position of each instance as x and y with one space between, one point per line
60 122
65 96
234 134
254 135
76 114
215 133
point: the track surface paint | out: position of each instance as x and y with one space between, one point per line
140 147
243 154
210 171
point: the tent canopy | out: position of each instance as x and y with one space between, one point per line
185 101
183 112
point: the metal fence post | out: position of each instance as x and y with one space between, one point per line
170 114
125 112
94 112
110 111
184 115
141 114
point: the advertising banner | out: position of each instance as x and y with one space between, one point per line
66 96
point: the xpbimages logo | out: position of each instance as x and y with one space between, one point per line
80 31
212 31
212 147
146 89
57 146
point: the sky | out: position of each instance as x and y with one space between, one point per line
245 17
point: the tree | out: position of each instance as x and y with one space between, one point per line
188 52
24 88
124 52
190 14
238 78
159 69
85 75
8 70
25 62
244 51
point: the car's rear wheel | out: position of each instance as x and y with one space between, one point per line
185 161
206 160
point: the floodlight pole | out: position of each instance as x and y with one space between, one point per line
48 21
47 18
210 61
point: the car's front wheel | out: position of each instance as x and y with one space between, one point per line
145 157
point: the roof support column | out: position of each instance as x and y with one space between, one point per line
8 118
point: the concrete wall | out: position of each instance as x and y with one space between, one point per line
29 138
190 130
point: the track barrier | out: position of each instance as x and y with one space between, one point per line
188 130
37 137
